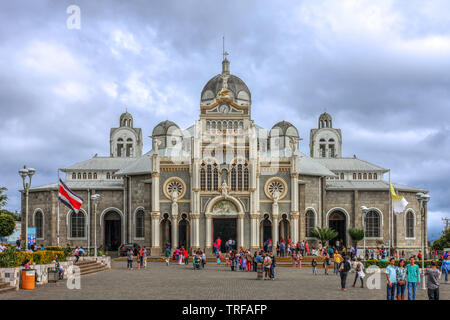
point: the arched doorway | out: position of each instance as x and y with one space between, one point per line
283 228
266 230
112 230
183 232
224 225
166 231
337 221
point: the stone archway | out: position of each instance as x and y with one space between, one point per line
112 228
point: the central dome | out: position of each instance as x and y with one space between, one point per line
226 80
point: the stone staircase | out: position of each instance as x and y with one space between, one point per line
281 261
88 267
5 287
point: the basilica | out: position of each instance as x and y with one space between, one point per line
225 177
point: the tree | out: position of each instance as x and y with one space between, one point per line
443 241
7 225
3 197
324 234
356 235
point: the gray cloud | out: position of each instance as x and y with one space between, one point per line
379 69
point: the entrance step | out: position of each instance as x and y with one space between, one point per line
88 267
5 287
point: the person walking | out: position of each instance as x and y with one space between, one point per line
359 268
391 276
326 263
167 254
141 258
433 279
344 268
445 267
267 263
401 279
272 266
413 272
255 261
130 259
186 256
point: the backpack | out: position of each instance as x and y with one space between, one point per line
347 266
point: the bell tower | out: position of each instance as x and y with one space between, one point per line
325 141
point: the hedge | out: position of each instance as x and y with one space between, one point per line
384 264
11 258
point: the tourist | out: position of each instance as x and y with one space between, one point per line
249 260
302 247
359 269
391 276
307 248
167 254
326 263
203 256
278 249
145 255
344 268
289 249
59 268
297 247
26 264
401 279
337 260
186 256
413 279
130 259
76 253
294 259
433 276
283 248
419 255
140 258
177 255
168 245
314 266
243 262
267 263
218 243
299 260
445 267
255 262
273 264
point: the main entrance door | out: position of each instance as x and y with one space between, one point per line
337 222
225 228
112 231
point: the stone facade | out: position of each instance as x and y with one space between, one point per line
223 176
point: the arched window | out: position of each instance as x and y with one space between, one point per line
310 222
209 177
216 177
342 176
372 224
74 176
140 223
239 178
77 225
233 176
207 125
95 175
79 175
39 224
359 176
354 176
365 176
246 177
375 176
370 176
410 221
108 175
84 176
202 178
89 175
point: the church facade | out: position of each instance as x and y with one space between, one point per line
225 177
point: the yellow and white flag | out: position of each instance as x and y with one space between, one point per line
399 203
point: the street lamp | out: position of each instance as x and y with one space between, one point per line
96 199
24 173
364 210
423 197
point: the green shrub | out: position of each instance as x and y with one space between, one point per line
9 258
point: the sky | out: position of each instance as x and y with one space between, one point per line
380 68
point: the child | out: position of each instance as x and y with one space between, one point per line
314 266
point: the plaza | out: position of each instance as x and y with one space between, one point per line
181 282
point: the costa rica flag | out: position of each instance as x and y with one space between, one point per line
70 199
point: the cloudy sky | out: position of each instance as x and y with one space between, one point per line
381 69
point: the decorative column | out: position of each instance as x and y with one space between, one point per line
208 243
156 249
275 236
195 200
254 188
294 191
174 219
240 222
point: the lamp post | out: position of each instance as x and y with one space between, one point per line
24 173
96 199
364 210
422 197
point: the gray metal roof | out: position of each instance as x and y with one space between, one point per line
349 164
140 165
101 163
309 166
82 185
368 185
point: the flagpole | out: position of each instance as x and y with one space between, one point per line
57 219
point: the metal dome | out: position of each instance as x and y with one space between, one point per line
162 129
286 129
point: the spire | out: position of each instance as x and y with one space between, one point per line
225 62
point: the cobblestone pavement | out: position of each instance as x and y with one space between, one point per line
159 281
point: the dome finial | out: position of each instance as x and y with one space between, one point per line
225 62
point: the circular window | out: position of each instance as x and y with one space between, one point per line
275 185
172 185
